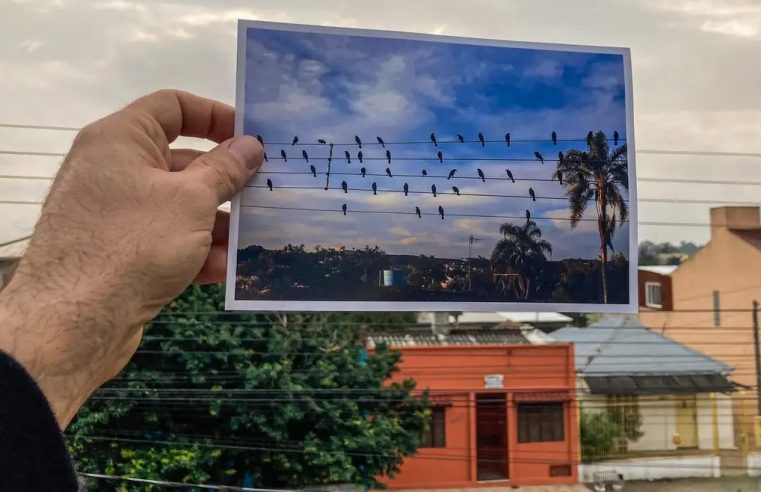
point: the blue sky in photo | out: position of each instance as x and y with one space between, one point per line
334 86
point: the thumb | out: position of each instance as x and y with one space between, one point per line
228 167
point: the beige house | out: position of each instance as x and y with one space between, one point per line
706 302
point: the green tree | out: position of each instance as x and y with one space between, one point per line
599 436
597 175
521 252
240 399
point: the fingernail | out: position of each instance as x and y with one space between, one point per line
247 150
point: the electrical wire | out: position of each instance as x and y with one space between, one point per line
167 483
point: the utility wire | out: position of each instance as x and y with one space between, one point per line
167 483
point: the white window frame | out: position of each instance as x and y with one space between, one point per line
648 300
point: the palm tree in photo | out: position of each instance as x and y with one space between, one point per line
598 175
521 253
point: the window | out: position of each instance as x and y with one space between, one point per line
716 309
434 435
541 422
653 295
624 410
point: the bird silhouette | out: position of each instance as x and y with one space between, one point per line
269 184
433 139
358 141
597 195
343 207
481 139
344 186
282 154
375 188
417 211
441 212
406 189
460 138
560 157
321 141
295 140
388 171
554 138
590 136
510 175
451 173
441 156
507 138
528 216
615 137
313 169
539 157
259 138
560 177
359 156
532 194
388 156
380 141
433 189
363 171
348 156
265 157
456 190
481 175
425 173
304 155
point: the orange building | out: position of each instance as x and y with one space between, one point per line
503 409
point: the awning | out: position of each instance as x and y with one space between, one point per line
658 384
547 395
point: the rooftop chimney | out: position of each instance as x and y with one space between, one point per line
736 218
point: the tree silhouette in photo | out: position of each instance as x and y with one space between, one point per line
520 255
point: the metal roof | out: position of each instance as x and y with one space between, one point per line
659 269
621 345
471 338
658 384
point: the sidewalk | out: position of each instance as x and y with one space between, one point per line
724 484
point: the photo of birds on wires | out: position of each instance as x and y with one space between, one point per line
417 172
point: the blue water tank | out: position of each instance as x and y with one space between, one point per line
393 278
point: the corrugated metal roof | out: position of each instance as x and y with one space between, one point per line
621 345
501 337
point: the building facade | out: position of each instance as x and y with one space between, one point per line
503 410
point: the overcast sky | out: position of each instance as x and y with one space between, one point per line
695 69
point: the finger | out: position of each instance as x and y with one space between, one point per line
183 113
181 158
228 167
214 269
221 230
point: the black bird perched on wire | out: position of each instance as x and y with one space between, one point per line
440 156
375 188
433 139
304 155
348 156
321 141
451 173
388 156
510 175
358 141
456 190
363 171
265 157
388 171
282 154
554 137
344 186
417 211
359 156
441 212
590 136
406 189
269 184
481 175
560 177
313 169
481 139
532 194
615 137
425 173
539 157
560 157
433 189
343 207
259 138
507 138
460 138
295 140
380 141
528 216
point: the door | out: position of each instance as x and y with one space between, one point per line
491 437
687 420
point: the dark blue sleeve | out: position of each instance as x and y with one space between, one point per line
33 454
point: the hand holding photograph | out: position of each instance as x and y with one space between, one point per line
411 172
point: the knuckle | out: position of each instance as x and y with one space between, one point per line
221 173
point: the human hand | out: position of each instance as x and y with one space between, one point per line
127 226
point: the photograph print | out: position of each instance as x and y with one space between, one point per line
409 172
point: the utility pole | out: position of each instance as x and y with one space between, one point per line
757 357
471 240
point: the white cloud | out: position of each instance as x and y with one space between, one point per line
544 69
